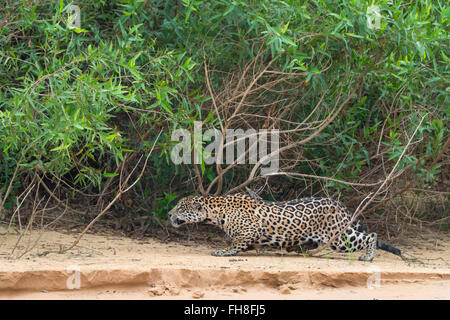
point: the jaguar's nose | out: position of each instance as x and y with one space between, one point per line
172 212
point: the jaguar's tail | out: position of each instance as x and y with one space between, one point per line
391 249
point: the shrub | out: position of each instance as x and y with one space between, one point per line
77 103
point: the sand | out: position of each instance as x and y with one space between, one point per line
106 266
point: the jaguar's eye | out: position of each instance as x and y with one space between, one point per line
198 207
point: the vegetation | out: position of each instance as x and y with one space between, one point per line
347 88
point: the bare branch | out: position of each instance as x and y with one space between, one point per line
122 189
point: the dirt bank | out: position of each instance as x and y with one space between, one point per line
112 267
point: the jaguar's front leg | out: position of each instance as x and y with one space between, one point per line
239 244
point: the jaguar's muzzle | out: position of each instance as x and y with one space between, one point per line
176 222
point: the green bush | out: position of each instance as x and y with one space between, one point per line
74 102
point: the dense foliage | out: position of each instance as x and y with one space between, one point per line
76 103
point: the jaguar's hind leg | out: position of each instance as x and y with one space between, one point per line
353 240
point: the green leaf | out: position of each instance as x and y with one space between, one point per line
110 175
78 30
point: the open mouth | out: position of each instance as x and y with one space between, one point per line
177 222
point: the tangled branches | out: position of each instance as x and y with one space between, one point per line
41 202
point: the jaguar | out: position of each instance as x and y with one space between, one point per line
294 225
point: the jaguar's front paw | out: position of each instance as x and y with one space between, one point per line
223 253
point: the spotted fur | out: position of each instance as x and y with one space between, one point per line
295 225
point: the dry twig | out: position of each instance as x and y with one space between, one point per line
123 188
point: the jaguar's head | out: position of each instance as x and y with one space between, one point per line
188 210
